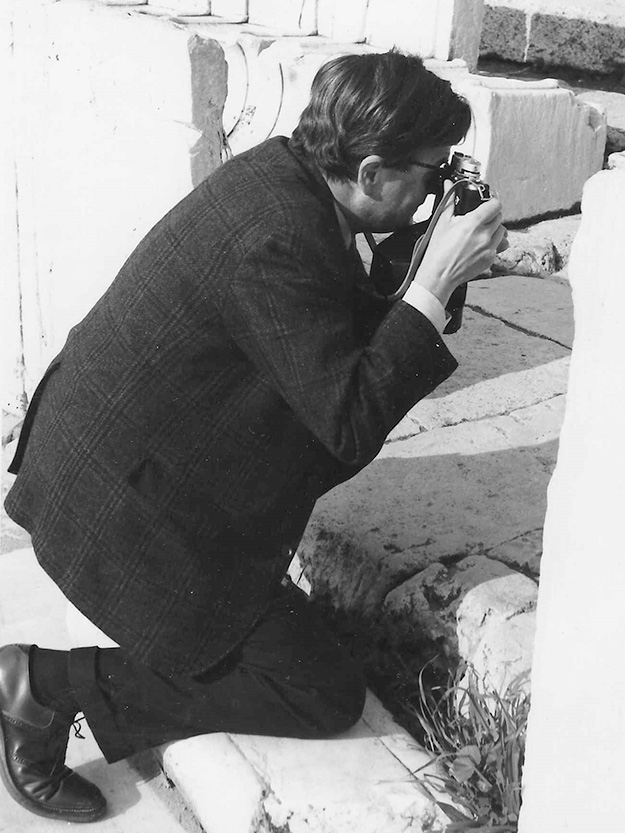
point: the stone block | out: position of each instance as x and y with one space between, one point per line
504 32
342 21
427 602
116 116
592 39
361 780
538 143
616 160
589 36
445 30
231 10
190 7
503 656
492 602
408 24
285 16
119 52
269 80
539 250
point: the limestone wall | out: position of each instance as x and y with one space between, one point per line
573 779
117 117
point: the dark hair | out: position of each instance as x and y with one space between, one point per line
386 103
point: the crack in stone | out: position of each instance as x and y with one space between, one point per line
517 327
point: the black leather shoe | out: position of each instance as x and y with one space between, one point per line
33 741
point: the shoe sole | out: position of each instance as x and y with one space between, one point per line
29 804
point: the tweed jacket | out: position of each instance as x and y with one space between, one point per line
236 369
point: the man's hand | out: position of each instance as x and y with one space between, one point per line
461 247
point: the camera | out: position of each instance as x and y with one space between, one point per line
471 192
394 257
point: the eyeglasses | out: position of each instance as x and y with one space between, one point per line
442 169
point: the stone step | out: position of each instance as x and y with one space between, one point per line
360 781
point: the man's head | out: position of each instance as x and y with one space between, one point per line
371 118
385 104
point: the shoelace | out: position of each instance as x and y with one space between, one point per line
77 725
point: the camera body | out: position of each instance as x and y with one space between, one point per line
392 256
465 170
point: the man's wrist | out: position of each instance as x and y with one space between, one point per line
426 303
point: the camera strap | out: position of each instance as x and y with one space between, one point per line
420 245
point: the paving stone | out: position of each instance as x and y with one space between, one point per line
33 610
501 370
440 495
522 553
538 307
359 781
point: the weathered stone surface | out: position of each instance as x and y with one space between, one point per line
342 21
360 781
446 29
539 250
504 32
193 7
588 35
616 160
592 38
285 16
535 306
427 602
538 143
493 602
231 10
501 368
503 654
436 497
93 159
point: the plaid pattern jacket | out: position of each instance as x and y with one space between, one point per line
236 369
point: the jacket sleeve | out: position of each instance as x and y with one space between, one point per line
290 308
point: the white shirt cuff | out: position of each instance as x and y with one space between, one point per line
422 300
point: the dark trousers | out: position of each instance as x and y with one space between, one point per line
289 678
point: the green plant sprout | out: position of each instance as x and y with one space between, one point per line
478 739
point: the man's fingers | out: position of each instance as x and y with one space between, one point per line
503 244
488 212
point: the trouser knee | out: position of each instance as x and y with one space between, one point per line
342 704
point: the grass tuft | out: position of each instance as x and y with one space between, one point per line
478 739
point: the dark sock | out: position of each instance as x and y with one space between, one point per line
49 680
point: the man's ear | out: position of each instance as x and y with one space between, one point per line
369 172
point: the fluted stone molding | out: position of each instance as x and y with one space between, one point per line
573 778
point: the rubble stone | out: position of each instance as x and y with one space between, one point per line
428 601
495 601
